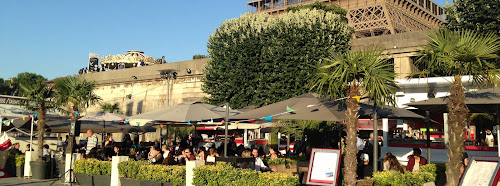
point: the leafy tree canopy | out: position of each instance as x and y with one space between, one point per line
200 56
258 59
480 15
5 87
28 80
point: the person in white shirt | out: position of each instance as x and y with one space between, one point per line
259 164
92 140
490 139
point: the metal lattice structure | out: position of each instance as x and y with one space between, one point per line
370 17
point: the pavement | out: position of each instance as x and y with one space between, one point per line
15 181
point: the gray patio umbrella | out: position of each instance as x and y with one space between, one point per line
104 117
482 101
315 107
185 112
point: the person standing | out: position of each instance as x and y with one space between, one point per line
92 141
490 139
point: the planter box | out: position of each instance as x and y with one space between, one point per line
61 169
282 168
366 182
84 179
20 171
129 182
39 170
150 183
101 180
167 184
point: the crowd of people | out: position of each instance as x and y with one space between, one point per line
178 154
117 66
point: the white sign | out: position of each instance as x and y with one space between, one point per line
323 167
482 171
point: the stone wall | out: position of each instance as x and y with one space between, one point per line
141 89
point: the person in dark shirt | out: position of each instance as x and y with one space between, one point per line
15 149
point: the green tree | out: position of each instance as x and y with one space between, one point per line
365 72
5 87
40 98
27 79
108 107
460 53
258 59
76 93
200 56
480 15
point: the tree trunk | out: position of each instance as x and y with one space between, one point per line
350 159
41 129
74 117
457 119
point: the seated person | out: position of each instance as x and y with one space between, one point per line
155 156
187 156
259 164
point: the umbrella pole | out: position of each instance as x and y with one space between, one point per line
167 136
161 139
103 133
428 133
375 139
225 130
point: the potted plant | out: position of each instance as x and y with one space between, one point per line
129 170
284 165
40 98
10 165
102 177
20 165
82 167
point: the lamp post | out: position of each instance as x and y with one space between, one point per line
167 74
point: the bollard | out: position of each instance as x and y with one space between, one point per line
190 165
115 176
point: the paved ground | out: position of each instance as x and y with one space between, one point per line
28 182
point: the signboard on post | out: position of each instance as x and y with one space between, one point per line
324 167
93 62
482 170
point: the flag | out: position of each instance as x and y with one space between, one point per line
189 122
251 121
357 98
236 122
289 109
269 118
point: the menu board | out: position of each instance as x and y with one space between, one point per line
323 167
482 171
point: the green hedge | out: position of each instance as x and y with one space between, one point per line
280 161
225 174
93 167
426 174
163 173
130 169
145 171
20 160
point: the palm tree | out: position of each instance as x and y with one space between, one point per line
460 53
77 93
40 98
108 107
365 72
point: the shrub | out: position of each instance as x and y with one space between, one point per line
93 167
20 160
426 174
10 161
130 169
224 174
163 173
280 161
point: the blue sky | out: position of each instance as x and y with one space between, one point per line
53 37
